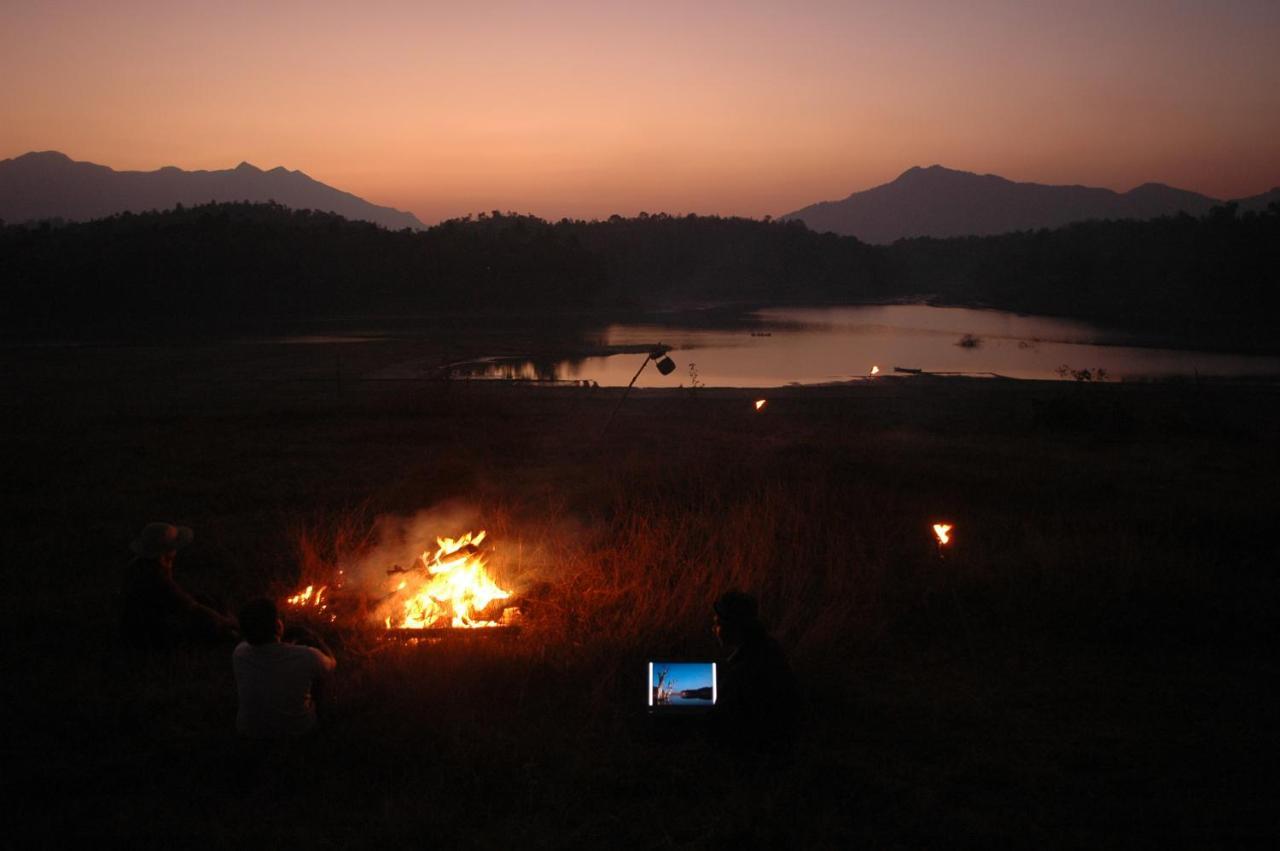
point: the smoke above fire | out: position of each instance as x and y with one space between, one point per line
399 540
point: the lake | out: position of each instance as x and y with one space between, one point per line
821 345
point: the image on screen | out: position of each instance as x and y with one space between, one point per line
682 684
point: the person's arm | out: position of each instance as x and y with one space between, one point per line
326 661
197 609
309 638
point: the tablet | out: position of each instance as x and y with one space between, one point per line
680 686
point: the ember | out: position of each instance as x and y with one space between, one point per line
760 403
943 531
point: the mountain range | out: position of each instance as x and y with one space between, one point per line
50 185
942 202
933 201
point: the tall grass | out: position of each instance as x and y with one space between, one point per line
1103 597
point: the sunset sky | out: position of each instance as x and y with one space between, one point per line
589 108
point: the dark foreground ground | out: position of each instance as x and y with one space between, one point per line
1093 663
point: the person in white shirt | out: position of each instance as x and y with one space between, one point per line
278 682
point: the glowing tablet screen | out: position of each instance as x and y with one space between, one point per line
682 684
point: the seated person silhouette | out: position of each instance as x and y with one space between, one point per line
155 611
758 702
277 682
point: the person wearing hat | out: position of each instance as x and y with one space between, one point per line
757 706
156 611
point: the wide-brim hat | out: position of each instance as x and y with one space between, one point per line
156 539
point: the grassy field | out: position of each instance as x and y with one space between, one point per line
1090 664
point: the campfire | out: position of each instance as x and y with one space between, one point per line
448 588
456 591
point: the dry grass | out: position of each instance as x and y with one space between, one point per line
1085 665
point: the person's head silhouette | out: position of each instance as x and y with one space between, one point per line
737 618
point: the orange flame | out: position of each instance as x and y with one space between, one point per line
875 370
456 588
445 588
312 598
309 596
943 531
760 403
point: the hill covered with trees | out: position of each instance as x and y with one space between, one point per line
1209 280
1212 280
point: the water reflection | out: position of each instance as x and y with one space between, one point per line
517 370
820 345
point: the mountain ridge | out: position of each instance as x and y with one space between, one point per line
51 185
936 201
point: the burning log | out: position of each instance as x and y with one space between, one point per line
450 634
465 551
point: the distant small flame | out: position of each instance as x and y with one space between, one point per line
875 370
760 403
943 531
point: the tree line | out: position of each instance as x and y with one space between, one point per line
216 265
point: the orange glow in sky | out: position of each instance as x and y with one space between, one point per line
585 109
